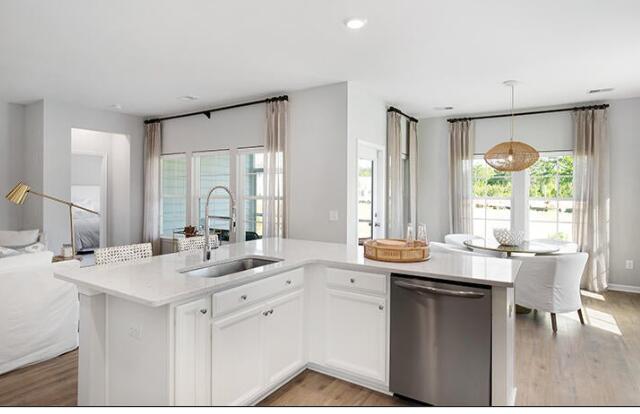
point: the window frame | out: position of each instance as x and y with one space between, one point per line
196 195
511 199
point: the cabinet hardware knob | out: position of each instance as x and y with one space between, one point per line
270 311
203 311
265 313
352 280
381 307
288 282
243 297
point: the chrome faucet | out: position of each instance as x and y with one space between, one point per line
206 253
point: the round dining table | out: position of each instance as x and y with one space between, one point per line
535 248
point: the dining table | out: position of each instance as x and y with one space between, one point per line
526 247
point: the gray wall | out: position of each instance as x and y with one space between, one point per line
11 142
547 132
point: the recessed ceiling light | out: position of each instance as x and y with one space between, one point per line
355 23
600 90
443 108
117 107
188 98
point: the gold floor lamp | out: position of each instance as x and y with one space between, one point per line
19 193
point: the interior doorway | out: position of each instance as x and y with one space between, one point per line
370 192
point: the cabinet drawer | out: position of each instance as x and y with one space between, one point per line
255 292
350 279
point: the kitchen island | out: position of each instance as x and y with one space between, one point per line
151 334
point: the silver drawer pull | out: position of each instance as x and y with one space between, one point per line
352 280
203 311
265 313
288 282
270 311
243 297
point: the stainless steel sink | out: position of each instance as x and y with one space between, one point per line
233 266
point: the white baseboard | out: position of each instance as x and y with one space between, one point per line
624 288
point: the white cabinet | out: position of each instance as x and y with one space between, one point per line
256 348
237 367
284 337
356 334
193 353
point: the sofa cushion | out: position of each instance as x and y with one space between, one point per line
22 238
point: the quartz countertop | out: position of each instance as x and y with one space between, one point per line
158 281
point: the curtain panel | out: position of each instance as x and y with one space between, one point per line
461 153
413 175
275 170
395 171
151 214
591 195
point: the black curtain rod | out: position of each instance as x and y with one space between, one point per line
548 111
207 112
394 109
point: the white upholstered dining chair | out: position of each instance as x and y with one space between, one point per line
458 239
551 284
121 254
195 243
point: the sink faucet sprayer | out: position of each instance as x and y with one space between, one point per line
206 253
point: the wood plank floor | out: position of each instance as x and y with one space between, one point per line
595 364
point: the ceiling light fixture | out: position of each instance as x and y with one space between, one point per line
511 155
600 90
355 23
443 108
188 98
117 107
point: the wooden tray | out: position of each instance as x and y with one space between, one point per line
395 250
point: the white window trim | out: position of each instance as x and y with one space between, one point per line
194 218
241 219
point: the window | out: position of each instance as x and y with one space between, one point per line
551 197
210 169
252 165
365 199
173 193
492 191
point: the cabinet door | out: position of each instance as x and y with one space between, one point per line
237 366
356 334
284 336
193 353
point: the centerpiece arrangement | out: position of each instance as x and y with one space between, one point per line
508 237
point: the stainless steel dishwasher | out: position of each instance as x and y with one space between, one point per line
440 341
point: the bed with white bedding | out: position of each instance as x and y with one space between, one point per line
39 313
86 225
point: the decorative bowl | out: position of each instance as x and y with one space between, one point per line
507 237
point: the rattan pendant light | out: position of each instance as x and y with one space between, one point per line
511 155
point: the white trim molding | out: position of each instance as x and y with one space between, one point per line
624 288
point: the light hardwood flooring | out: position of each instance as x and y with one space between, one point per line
593 364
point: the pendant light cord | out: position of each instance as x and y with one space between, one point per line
512 113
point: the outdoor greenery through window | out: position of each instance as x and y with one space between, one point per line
173 192
551 198
492 192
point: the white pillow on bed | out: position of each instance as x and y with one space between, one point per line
9 238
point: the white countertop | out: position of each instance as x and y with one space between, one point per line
157 281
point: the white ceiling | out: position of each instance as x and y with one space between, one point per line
416 54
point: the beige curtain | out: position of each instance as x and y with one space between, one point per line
461 150
275 173
591 195
395 176
413 174
151 214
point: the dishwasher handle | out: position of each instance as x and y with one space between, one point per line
421 290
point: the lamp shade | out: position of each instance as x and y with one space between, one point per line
18 193
511 156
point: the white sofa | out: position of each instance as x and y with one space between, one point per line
39 313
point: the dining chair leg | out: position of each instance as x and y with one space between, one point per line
554 323
581 317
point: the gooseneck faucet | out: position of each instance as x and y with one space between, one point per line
206 253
